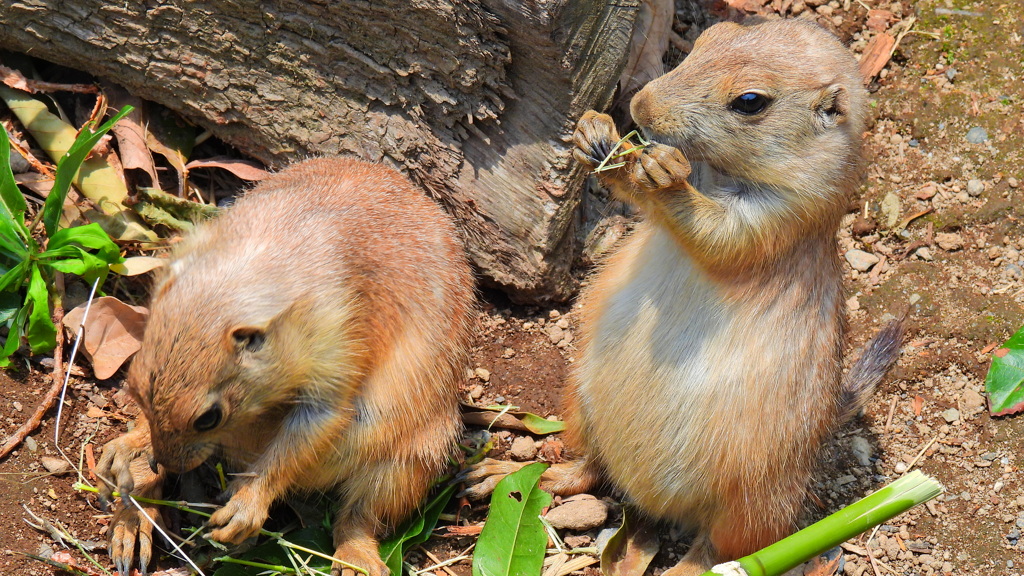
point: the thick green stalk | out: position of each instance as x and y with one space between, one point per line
870 511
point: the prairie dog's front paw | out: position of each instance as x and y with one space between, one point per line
242 517
115 466
660 168
594 137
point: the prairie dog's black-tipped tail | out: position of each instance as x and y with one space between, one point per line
877 357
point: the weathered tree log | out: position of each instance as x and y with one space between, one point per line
474 99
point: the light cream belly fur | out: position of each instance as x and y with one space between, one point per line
704 418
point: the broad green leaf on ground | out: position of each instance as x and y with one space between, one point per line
160 208
96 178
630 550
414 531
1005 380
113 332
41 333
506 418
513 540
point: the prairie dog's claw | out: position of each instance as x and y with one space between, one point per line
594 137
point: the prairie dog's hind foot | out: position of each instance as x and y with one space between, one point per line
564 479
357 546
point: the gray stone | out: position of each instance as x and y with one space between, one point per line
578 515
860 260
975 187
951 415
977 135
861 449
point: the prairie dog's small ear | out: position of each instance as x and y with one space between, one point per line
832 106
248 338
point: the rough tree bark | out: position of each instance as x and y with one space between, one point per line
474 99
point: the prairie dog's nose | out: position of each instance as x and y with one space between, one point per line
641 107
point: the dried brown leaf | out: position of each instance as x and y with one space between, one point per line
630 550
131 135
244 169
876 55
113 332
819 567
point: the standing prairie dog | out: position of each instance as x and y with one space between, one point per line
710 364
312 335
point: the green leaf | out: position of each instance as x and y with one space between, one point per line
1005 380
414 531
160 208
271 552
513 540
507 418
14 335
10 303
41 333
13 279
68 166
12 203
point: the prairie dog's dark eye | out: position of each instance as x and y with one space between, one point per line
750 103
207 420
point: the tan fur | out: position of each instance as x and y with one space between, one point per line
710 357
363 294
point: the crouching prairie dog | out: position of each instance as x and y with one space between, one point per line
312 335
710 361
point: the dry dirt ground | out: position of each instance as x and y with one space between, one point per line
941 216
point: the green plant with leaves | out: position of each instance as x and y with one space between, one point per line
1005 380
30 258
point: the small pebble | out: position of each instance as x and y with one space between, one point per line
523 448
860 260
913 143
972 401
1012 182
900 467
54 465
476 392
17 406
915 298
951 415
31 444
975 187
555 334
924 253
949 241
977 135
853 304
483 374
578 515
950 73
